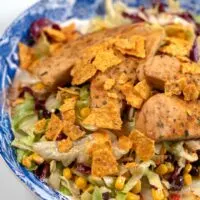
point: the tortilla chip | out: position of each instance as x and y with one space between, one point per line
55 47
108 116
69 116
40 126
26 57
55 35
123 78
190 68
104 162
113 95
69 104
64 145
135 46
72 131
190 92
82 72
143 146
125 143
54 128
109 83
70 32
131 95
106 59
143 89
176 47
131 165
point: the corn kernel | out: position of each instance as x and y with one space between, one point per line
162 169
85 112
137 188
119 183
37 158
170 167
188 168
67 173
157 194
132 196
187 179
38 87
90 188
81 183
27 162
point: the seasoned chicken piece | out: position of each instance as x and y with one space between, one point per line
165 118
55 70
161 68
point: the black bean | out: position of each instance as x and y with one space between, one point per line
42 171
170 158
106 196
84 169
177 184
194 171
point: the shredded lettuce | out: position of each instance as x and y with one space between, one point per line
120 196
24 143
178 150
154 179
21 154
22 112
109 181
65 191
95 180
86 196
97 194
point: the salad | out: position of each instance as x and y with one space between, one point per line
110 109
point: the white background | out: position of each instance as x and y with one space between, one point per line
10 187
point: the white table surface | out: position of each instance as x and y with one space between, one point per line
10 187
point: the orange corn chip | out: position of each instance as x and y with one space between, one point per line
143 89
135 46
143 146
56 35
55 47
125 143
72 131
40 126
104 162
190 68
25 56
54 128
69 116
131 95
69 104
109 83
64 145
190 92
70 32
131 165
108 116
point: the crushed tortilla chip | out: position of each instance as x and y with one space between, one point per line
190 92
135 46
106 59
64 145
190 68
123 78
54 128
176 47
26 57
109 83
56 35
131 165
143 146
40 126
125 143
107 116
69 104
55 47
131 95
143 89
72 131
104 162
112 95
70 32
69 116
175 87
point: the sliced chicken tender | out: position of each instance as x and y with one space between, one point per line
165 118
160 69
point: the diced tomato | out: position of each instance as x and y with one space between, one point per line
174 196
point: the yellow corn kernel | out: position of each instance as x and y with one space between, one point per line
27 162
90 188
187 179
132 196
37 158
85 112
38 87
67 173
162 169
170 167
137 188
119 183
188 168
157 194
81 183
